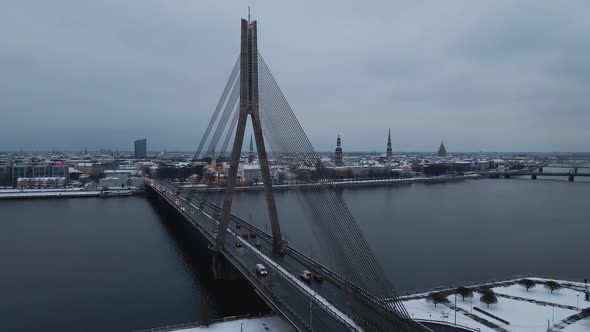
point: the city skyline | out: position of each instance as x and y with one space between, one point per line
476 74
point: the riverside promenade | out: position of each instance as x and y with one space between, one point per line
10 194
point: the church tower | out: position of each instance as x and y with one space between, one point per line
389 154
442 151
338 160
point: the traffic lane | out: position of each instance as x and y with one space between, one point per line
291 264
288 293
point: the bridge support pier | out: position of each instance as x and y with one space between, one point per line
540 169
222 269
533 177
570 178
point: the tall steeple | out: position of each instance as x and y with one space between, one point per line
442 151
251 151
338 160
389 154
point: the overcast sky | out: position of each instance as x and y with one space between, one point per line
494 76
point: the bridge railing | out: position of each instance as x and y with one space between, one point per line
275 268
368 298
248 274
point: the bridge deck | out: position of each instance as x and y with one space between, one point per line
325 306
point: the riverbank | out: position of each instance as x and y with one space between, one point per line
342 183
9 194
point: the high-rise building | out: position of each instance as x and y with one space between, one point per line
141 148
251 152
442 151
389 153
338 160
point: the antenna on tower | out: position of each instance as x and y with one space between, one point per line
248 14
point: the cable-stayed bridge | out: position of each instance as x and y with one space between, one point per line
355 293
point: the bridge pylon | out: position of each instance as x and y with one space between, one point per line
249 104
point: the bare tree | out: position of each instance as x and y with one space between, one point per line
527 283
489 298
552 285
464 292
437 297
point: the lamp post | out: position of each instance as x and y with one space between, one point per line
578 302
455 308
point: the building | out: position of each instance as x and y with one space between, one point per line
338 159
389 153
252 173
442 151
141 148
5 175
41 183
21 171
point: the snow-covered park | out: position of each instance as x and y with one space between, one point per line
516 309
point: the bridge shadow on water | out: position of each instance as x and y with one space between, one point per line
221 298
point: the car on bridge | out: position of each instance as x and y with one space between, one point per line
260 269
252 235
238 244
245 235
305 275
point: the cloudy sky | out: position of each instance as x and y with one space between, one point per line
493 76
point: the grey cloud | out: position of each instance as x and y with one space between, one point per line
497 76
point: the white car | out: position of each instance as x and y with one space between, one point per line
260 269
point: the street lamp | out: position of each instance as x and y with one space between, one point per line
578 302
455 308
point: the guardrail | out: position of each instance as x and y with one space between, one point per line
248 274
369 299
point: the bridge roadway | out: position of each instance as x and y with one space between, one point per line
332 305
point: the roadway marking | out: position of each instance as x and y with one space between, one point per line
312 293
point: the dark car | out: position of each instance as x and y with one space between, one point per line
257 244
318 277
238 244
238 226
245 235
253 235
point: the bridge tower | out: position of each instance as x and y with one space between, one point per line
249 104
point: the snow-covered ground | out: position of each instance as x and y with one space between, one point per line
71 193
522 314
271 323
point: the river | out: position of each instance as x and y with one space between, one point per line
128 263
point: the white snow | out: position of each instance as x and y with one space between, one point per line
579 326
49 194
271 323
562 296
522 315
422 309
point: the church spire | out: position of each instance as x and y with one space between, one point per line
442 151
338 160
389 153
